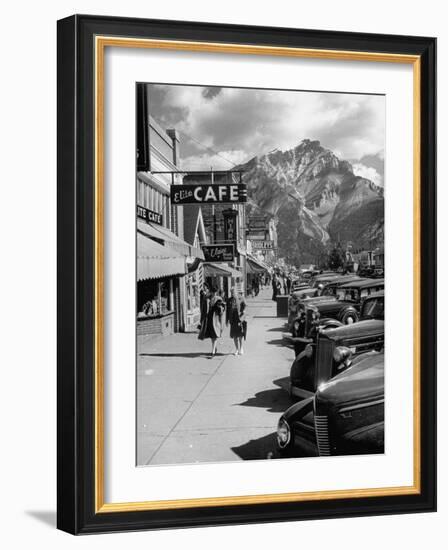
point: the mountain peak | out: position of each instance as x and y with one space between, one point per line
309 143
313 193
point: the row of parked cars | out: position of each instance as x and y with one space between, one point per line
337 378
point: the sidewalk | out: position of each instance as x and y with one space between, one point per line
193 408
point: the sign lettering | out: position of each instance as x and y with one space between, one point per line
263 245
149 215
209 193
218 252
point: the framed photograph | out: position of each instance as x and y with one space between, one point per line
246 274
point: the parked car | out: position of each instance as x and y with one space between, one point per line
294 300
329 288
349 299
306 268
345 416
318 281
301 291
319 353
297 284
299 323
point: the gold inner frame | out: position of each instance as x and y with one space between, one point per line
101 42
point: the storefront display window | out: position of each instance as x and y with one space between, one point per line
192 292
154 298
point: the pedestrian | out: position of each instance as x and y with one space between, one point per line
256 285
236 317
288 283
274 287
212 318
203 295
280 285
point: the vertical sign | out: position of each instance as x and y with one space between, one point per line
230 229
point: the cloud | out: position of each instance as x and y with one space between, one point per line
257 121
211 92
224 161
367 172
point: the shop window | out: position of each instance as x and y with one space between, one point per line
154 298
192 292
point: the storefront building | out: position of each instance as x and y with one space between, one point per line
194 234
164 258
224 225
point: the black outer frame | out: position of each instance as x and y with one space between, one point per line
75 172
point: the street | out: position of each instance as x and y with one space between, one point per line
225 408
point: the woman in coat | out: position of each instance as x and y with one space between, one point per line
236 316
212 318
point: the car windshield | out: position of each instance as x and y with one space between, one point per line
373 308
348 294
328 291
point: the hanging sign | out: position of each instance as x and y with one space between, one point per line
218 252
263 245
209 193
230 225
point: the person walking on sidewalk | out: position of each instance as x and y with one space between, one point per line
236 316
212 318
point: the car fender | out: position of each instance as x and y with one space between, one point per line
300 366
328 322
346 310
298 410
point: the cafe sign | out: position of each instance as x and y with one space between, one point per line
209 193
218 252
149 215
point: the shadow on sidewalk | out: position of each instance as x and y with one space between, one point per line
277 342
282 383
275 400
188 354
263 447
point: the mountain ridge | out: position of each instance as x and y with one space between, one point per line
316 199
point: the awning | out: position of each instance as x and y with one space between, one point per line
234 272
254 266
155 260
166 236
220 270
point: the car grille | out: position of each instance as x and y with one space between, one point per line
322 438
308 322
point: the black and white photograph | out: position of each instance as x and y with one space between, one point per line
260 273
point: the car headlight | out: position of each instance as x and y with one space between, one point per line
342 354
283 433
308 351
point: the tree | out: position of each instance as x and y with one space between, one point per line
336 257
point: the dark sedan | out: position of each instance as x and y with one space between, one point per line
349 299
345 416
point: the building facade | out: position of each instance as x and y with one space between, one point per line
224 225
166 263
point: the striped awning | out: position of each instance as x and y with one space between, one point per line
165 236
155 260
220 270
234 272
254 266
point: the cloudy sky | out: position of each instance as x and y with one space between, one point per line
239 124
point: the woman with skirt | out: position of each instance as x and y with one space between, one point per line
212 318
236 316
